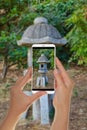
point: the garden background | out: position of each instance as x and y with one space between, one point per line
70 18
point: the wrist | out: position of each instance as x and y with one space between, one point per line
62 107
10 121
12 114
61 119
62 111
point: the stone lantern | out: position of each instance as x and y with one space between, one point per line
42 79
41 32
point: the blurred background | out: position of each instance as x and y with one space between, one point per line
70 18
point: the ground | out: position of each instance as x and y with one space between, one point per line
78 113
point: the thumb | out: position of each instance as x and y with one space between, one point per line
37 95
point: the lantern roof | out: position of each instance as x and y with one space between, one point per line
41 32
42 59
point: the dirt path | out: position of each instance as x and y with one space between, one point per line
78 117
78 114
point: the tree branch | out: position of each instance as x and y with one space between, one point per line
12 64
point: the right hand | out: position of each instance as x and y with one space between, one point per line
63 87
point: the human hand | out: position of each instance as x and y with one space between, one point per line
63 87
63 90
19 102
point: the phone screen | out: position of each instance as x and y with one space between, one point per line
43 66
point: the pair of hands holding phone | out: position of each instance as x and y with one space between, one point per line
63 88
19 102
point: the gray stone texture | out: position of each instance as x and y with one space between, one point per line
41 32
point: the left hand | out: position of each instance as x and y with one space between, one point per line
19 102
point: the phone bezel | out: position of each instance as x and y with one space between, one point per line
44 45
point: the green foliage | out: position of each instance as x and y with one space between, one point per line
69 17
15 18
75 92
56 13
10 31
9 49
51 113
62 53
77 36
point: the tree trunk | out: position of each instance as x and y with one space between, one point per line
5 68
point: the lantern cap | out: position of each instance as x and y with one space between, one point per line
41 32
42 59
40 20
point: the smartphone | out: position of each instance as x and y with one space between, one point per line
43 61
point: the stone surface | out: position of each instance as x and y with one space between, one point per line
29 59
36 110
41 32
44 109
42 59
40 20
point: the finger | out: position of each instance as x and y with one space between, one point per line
55 85
58 78
28 74
63 71
26 78
37 95
19 80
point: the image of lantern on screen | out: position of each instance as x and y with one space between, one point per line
42 80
